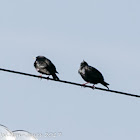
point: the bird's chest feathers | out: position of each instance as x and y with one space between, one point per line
82 71
40 64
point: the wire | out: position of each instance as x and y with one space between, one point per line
72 83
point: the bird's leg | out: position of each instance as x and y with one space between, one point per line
83 85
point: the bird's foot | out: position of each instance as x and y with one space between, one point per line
40 76
83 85
93 87
48 78
108 88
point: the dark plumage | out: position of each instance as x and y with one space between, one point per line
45 66
91 75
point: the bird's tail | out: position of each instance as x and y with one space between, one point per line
55 77
105 84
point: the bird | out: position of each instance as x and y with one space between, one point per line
91 74
44 66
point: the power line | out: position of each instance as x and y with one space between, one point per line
72 83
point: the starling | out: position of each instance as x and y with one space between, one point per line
91 75
45 66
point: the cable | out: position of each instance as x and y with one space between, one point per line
72 83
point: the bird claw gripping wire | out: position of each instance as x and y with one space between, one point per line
93 87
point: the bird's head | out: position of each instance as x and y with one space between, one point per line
40 57
84 63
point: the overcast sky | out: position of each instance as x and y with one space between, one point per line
104 33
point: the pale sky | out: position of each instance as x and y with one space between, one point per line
106 34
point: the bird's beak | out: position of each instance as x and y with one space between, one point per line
33 57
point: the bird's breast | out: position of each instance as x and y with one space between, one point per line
82 71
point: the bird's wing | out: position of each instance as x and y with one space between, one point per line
93 72
50 66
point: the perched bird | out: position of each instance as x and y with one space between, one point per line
91 75
45 66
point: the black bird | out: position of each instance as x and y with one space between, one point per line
91 75
45 66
